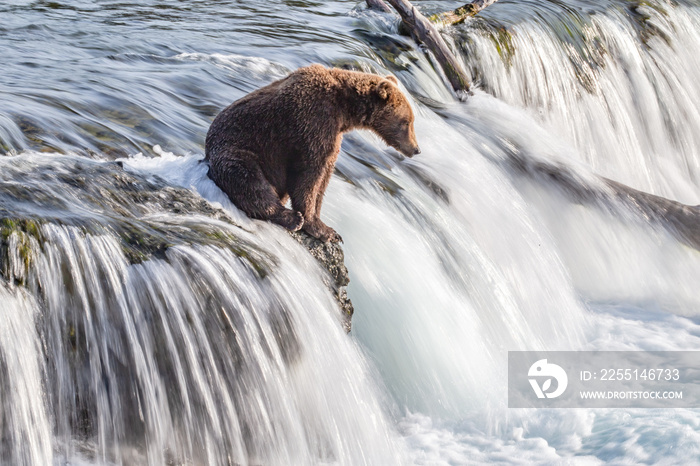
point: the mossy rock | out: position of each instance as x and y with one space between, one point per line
146 215
114 201
25 234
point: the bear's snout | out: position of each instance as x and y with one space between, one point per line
410 151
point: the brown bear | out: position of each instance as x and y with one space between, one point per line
282 141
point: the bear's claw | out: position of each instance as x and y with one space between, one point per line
292 221
321 231
331 236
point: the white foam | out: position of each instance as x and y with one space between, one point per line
251 66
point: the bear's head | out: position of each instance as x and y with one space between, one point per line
392 118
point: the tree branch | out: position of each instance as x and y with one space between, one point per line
378 5
457 16
423 31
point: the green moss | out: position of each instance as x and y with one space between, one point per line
139 244
639 12
121 205
7 226
261 270
31 228
503 41
457 16
226 240
25 250
25 231
72 338
143 241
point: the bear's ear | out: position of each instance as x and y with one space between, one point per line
392 78
383 89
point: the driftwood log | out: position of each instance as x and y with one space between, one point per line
458 15
681 220
423 31
378 5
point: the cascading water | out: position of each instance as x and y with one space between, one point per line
619 85
207 354
221 345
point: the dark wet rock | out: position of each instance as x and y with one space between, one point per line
332 258
680 220
99 198
683 221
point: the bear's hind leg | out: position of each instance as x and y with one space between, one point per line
242 179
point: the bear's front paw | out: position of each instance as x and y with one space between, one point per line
292 221
320 230
331 236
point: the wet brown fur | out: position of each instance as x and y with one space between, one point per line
282 140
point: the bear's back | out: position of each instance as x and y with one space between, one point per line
280 115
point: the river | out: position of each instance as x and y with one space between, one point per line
205 354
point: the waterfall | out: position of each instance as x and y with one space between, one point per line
25 427
620 85
206 355
146 320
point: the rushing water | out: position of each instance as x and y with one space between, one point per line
208 354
